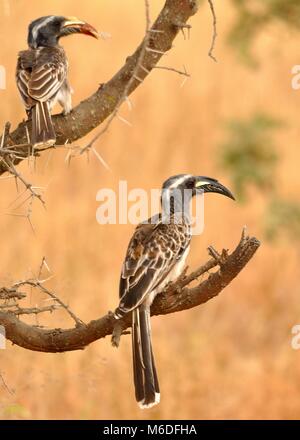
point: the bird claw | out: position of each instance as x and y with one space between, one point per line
111 314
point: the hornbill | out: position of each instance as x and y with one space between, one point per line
42 73
155 256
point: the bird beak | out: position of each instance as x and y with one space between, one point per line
80 27
207 184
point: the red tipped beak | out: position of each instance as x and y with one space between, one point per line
81 27
87 29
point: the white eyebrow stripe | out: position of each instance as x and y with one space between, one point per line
43 23
179 181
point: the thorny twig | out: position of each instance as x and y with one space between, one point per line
29 187
139 66
5 134
124 95
172 69
215 34
34 310
39 284
5 385
7 156
12 294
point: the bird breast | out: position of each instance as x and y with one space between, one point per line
172 276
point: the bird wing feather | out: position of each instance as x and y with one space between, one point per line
151 255
23 72
46 80
40 74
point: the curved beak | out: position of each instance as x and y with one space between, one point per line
207 184
80 26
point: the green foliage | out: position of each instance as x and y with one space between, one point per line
253 15
287 11
249 154
16 411
250 157
283 216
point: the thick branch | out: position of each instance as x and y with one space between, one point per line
175 298
94 110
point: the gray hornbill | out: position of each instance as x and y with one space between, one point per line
155 256
42 73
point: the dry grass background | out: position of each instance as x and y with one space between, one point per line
231 358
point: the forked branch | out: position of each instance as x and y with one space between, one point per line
177 297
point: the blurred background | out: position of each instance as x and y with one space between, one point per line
236 120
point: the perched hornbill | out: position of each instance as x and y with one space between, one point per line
155 256
42 73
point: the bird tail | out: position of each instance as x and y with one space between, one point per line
42 133
145 377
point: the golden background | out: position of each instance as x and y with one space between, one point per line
231 358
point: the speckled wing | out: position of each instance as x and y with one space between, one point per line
152 253
40 74
25 64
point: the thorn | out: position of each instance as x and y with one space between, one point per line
31 225
129 103
124 120
100 158
5 134
182 27
158 31
144 69
148 49
137 78
183 82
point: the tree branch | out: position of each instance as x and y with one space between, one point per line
91 112
175 298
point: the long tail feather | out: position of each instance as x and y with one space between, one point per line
42 128
144 371
137 357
